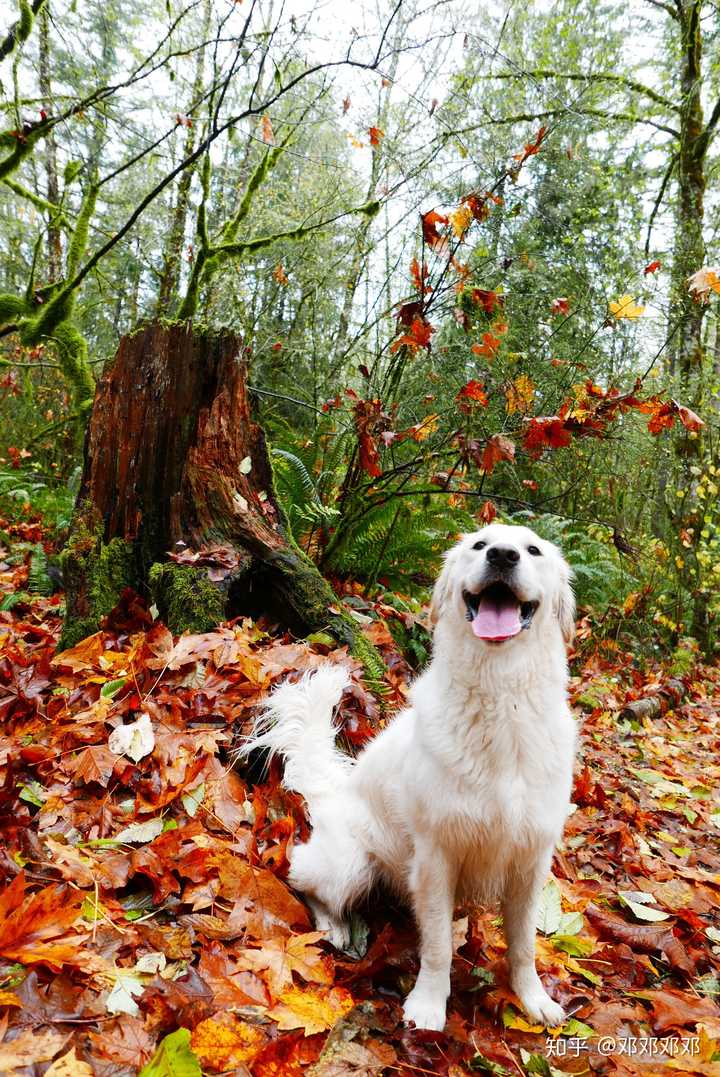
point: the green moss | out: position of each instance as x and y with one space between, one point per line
11 308
96 574
185 598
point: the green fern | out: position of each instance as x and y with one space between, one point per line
39 582
400 542
299 494
600 577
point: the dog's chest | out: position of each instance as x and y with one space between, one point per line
506 787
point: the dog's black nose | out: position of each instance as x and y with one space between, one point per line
503 556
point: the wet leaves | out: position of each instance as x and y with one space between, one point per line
146 925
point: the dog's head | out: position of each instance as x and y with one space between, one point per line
502 581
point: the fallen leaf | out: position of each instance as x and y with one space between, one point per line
135 740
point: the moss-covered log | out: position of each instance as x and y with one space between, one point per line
177 498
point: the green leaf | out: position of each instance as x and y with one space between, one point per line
109 689
173 1058
33 793
577 1029
571 944
480 1064
549 915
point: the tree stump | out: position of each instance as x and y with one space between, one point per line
177 500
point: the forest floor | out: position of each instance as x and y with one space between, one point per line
145 925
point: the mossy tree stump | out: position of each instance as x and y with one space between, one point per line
175 465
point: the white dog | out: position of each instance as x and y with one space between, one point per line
465 793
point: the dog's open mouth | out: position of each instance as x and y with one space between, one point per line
496 613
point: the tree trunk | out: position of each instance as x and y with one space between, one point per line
52 185
686 315
177 498
170 274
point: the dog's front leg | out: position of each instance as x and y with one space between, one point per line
520 909
432 888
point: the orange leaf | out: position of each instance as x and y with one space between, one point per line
430 222
473 390
376 135
418 336
224 1047
488 300
531 148
497 448
487 512
266 131
311 1011
561 305
32 927
280 275
652 267
689 419
279 957
489 346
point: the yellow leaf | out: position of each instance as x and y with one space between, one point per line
225 1047
425 428
69 1066
520 394
313 1012
9 998
626 307
460 220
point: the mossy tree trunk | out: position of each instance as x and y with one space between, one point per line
177 499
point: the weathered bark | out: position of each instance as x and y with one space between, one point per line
176 464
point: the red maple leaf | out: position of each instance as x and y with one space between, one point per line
489 346
430 222
545 433
652 267
497 448
418 336
488 300
531 148
473 390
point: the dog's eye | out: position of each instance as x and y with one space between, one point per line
534 551
480 545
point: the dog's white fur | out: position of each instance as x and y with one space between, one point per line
465 793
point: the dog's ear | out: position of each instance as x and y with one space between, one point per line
441 590
565 601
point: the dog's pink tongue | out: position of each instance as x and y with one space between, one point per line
493 621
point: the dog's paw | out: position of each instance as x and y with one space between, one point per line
541 1009
424 1010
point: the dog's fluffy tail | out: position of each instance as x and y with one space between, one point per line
297 723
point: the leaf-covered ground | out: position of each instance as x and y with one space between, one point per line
145 926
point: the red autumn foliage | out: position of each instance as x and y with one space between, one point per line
243 971
430 222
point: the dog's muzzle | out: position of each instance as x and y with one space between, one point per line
496 613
